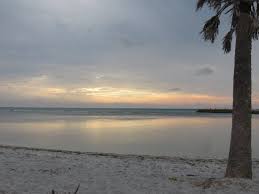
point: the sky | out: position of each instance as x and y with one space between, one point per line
112 53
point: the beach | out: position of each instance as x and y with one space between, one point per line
27 170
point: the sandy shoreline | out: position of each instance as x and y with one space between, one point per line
32 170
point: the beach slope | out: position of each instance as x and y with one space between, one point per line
24 170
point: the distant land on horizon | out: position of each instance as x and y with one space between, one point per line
255 111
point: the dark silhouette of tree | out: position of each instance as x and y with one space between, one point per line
244 15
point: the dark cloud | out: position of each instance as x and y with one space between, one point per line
203 71
127 43
175 89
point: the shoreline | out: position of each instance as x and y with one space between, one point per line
35 170
116 155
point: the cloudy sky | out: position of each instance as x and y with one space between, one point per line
112 53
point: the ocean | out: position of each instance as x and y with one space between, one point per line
163 132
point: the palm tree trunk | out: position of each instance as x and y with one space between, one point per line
240 162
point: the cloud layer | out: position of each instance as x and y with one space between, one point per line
71 52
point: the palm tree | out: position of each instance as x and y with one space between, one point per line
244 15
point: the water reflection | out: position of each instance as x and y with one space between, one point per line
196 136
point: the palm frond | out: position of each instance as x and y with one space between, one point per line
254 29
211 29
212 4
233 8
227 41
200 4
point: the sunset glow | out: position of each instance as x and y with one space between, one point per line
111 95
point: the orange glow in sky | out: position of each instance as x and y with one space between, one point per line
109 95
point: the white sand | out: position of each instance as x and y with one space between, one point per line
35 171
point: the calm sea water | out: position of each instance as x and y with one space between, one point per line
128 131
